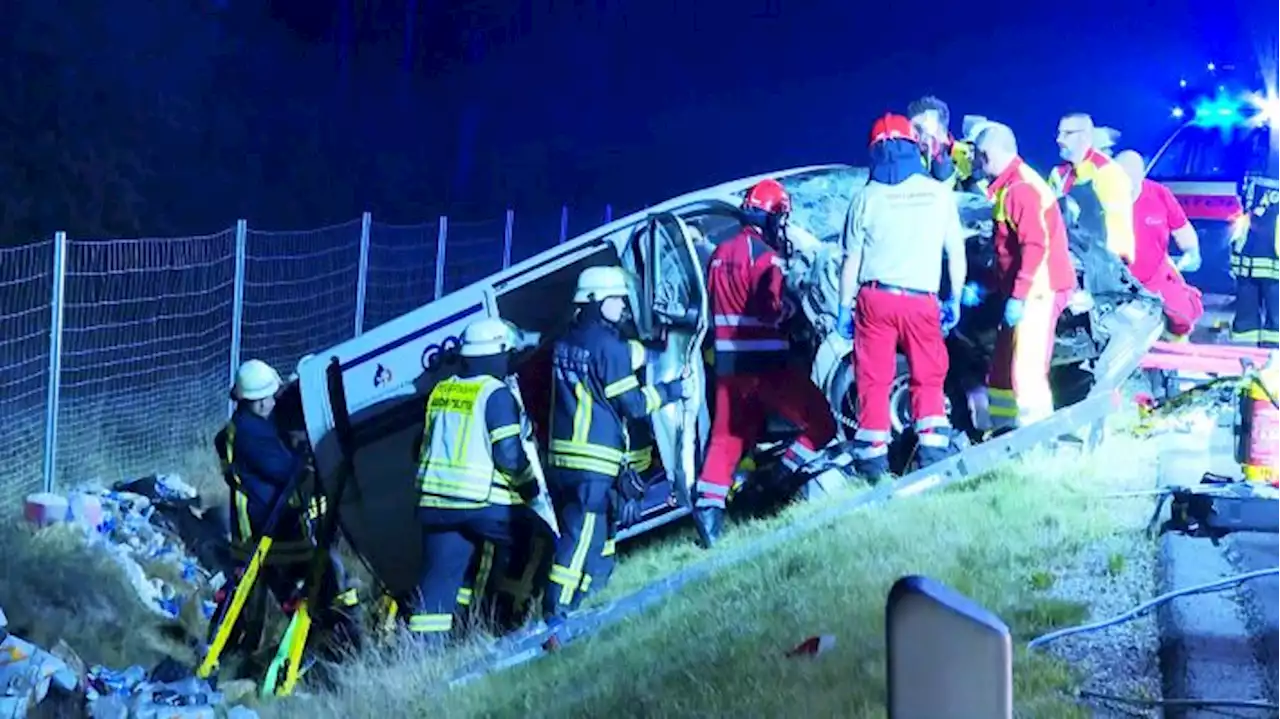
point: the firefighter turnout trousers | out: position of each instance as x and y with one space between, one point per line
1018 391
743 403
583 510
1257 317
465 500
1255 262
889 318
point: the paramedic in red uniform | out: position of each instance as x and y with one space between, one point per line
1157 216
1035 274
896 232
752 374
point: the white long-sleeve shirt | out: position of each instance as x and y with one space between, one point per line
896 235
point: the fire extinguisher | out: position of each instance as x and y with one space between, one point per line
1258 424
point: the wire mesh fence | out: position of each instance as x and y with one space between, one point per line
116 355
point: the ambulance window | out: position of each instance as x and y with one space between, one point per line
1199 153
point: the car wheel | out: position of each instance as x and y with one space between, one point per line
844 400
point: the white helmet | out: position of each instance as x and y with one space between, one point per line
489 336
255 380
598 283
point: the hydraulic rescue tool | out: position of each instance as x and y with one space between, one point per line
1220 505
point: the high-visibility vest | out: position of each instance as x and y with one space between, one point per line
457 470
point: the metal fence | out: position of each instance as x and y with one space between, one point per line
116 355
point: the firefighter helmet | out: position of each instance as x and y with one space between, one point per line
768 196
255 380
489 336
892 127
598 283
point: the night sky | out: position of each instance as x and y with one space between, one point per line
631 102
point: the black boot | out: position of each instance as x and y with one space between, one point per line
874 470
709 522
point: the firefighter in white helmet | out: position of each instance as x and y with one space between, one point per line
474 478
258 466
595 391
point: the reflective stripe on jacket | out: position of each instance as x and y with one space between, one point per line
746 288
457 470
1254 252
639 431
1104 193
1030 237
256 464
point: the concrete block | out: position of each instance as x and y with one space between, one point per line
45 508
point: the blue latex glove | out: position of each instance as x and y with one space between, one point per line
1013 312
844 323
973 294
950 315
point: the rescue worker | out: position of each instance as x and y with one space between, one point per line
896 233
1255 249
595 392
261 468
753 376
1033 271
474 478
931 119
1097 186
1157 216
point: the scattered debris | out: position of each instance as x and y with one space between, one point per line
813 646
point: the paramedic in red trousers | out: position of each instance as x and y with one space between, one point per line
895 236
1035 274
1157 216
753 376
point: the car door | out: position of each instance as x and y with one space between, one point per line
672 315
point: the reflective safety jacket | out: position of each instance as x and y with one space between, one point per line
1256 246
257 466
1104 194
1030 236
472 454
745 282
639 431
594 392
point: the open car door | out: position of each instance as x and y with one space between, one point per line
671 315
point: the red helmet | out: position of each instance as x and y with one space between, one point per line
892 127
768 196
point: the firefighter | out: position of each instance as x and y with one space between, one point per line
1096 184
896 233
1034 273
1254 249
595 392
1157 216
258 465
475 480
752 373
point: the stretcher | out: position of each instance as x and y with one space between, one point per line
1204 359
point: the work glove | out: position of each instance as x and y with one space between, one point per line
973 294
1013 312
844 322
688 387
628 496
950 315
1189 261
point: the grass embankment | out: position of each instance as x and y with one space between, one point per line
1023 541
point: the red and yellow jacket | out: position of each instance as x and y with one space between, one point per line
1030 236
1102 190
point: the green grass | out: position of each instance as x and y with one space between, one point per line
717 647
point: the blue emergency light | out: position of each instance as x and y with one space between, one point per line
1228 105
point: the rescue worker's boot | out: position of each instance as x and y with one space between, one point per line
871 461
933 446
709 522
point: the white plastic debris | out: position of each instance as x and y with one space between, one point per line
26 674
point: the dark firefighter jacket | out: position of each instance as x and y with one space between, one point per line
594 392
639 431
1255 253
257 465
465 463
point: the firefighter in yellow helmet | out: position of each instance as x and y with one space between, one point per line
475 480
260 467
595 392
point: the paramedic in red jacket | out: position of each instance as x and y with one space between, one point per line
898 230
1157 216
752 373
1035 274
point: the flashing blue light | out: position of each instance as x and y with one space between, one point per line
1177 113
1182 83
1212 67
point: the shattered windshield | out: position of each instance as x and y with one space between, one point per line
820 199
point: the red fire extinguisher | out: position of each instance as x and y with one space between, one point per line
1258 425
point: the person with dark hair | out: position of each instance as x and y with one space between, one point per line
931 119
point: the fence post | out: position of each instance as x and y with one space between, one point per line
608 214
237 304
362 279
506 239
441 238
56 307
564 223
